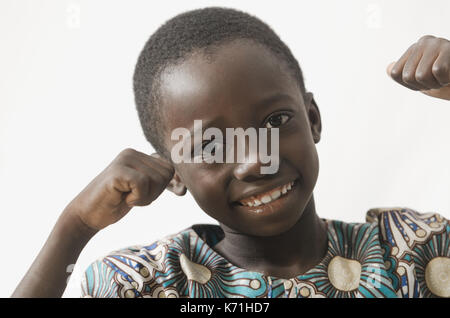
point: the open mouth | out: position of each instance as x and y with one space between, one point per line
268 196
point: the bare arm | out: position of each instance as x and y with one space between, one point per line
48 274
132 179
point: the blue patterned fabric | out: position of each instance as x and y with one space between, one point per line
398 252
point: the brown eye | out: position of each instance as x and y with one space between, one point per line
277 120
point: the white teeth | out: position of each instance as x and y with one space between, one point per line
273 195
276 194
266 199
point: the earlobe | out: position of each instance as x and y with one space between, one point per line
314 117
176 185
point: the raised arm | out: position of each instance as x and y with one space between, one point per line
132 179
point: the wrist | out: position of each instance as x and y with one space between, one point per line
71 224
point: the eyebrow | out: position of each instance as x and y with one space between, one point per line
206 125
273 99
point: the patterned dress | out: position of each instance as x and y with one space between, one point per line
398 252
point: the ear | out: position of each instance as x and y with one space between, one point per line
314 116
176 185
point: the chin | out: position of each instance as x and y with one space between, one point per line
277 227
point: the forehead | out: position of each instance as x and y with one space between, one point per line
241 74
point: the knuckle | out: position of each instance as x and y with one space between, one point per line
396 73
127 152
409 77
124 156
441 70
426 38
444 42
167 168
422 77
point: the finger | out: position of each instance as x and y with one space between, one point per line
136 159
144 183
424 74
162 166
156 158
389 68
409 70
151 170
441 68
159 177
390 72
131 181
395 69
147 189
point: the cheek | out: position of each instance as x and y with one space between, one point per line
206 188
300 150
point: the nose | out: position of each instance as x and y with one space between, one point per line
248 171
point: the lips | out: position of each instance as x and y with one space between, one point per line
267 196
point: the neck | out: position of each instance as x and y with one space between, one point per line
285 255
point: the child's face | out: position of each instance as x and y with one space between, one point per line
227 93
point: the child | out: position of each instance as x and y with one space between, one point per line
229 69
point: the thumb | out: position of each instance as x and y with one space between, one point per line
442 93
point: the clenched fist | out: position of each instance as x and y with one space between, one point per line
425 66
132 179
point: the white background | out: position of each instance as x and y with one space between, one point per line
67 109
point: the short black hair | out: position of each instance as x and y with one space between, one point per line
197 30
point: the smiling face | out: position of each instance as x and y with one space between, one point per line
245 85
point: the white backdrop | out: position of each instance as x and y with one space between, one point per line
67 109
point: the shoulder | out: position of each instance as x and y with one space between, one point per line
416 249
130 272
405 227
